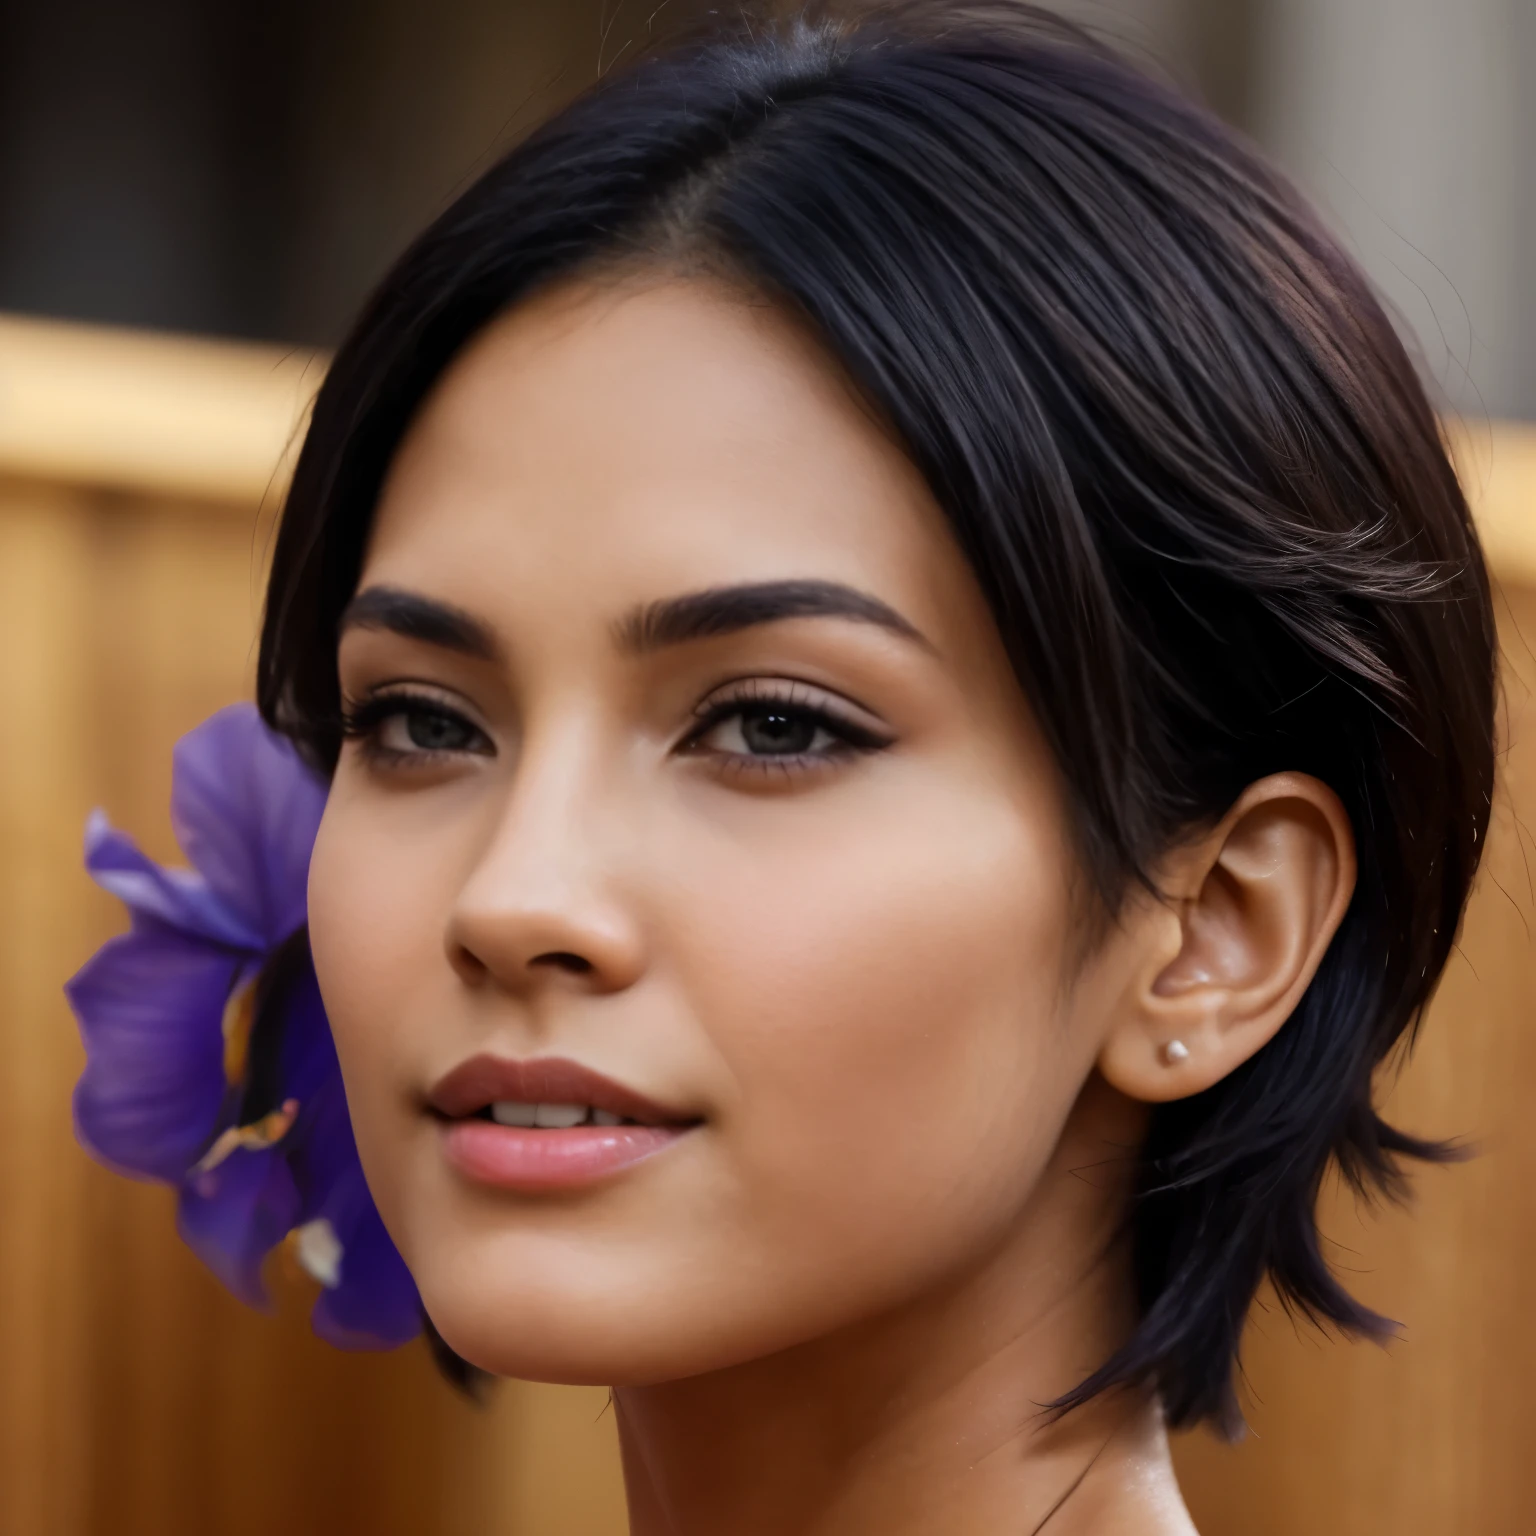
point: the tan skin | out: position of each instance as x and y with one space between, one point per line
837 1304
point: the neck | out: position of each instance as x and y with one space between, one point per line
929 1418
867 1435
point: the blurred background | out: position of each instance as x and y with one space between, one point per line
195 195
248 167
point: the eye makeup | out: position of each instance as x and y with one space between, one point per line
780 726
751 725
400 727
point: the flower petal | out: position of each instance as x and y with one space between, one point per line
245 808
374 1304
176 897
150 1005
233 1217
308 1051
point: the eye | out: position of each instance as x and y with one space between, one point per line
396 728
783 725
768 730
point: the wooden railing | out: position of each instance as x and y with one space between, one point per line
138 475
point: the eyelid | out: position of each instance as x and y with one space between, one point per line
788 691
414 690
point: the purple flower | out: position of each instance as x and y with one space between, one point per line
209 1059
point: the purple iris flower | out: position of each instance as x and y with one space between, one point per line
209 1059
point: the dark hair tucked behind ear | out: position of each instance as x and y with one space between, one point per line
1180 444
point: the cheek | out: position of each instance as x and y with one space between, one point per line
376 911
367 915
892 1033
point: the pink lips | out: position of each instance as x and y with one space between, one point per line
531 1159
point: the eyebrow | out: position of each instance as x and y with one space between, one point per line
415 617
720 611
705 615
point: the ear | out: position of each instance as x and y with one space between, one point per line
1248 912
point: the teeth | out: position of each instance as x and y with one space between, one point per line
550 1117
511 1113
559 1117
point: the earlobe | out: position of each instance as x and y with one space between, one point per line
1249 912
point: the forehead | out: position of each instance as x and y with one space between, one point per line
625 440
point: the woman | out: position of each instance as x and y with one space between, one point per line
897 691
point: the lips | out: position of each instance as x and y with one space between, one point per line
546 1123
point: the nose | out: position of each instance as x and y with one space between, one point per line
543 906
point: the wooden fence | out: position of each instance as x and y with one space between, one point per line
137 478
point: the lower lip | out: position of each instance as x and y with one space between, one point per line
511 1157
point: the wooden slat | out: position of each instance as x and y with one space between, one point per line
44 1248
1497 465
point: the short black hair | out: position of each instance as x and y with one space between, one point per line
1182 448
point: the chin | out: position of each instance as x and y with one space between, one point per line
560 1350
558 1312
583 1322
552 1340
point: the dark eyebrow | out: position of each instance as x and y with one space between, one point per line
724 610
417 617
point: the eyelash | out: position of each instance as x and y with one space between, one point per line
794 702
363 721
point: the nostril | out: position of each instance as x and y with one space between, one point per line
564 960
467 963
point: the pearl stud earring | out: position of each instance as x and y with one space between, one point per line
1175 1052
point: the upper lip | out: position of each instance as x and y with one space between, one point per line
485 1079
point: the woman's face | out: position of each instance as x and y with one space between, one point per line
688 785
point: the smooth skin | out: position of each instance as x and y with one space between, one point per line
837 1305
